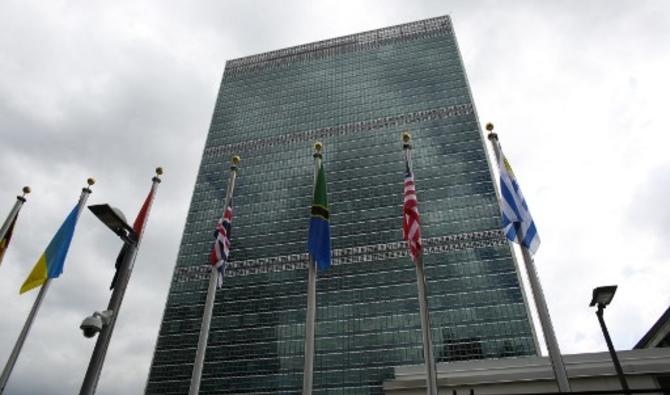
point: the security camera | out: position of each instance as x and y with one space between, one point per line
94 323
91 325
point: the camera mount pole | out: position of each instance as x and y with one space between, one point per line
129 251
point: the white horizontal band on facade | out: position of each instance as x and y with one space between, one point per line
353 127
345 256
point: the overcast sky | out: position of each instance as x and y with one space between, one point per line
577 91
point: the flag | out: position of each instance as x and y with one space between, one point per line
4 243
318 243
516 218
138 227
221 249
411 220
50 264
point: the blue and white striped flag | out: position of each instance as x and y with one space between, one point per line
516 218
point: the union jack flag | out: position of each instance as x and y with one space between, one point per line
411 228
221 249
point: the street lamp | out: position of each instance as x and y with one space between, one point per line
602 296
115 220
103 322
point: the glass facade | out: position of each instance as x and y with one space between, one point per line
356 94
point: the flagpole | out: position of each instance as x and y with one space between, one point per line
199 363
125 269
14 212
429 360
538 295
7 371
310 313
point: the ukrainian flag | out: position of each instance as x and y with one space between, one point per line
50 264
319 226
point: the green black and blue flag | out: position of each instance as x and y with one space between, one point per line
318 243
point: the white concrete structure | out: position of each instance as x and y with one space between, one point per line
527 375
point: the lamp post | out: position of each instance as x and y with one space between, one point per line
602 296
104 322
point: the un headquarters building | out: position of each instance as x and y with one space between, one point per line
357 94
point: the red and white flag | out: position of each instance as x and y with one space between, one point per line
138 227
411 227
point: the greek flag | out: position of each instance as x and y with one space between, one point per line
516 218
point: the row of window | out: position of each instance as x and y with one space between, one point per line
253 126
337 369
339 100
401 302
428 133
351 60
474 261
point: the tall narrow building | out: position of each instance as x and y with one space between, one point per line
356 94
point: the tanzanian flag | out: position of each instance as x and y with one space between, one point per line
319 225
50 264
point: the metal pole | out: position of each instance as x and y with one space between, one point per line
199 362
540 302
310 322
7 371
610 347
429 360
90 382
310 314
545 321
14 212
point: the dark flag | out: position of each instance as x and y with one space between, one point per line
138 227
4 243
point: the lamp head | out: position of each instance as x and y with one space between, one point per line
114 219
602 296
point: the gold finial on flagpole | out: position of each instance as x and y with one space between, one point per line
318 146
159 173
89 181
492 135
25 190
234 161
406 140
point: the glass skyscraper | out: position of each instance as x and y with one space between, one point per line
356 94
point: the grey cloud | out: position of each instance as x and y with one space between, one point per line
114 89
